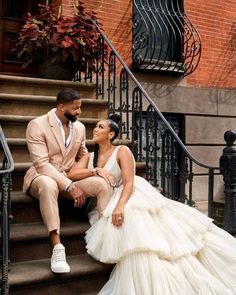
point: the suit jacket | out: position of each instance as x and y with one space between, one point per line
47 149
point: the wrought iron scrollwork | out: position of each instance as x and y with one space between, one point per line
164 39
152 147
137 124
100 68
155 140
5 209
124 108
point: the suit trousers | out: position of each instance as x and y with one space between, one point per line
46 190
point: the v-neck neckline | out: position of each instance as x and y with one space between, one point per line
109 158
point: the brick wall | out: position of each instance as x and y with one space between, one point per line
214 19
216 22
67 6
116 17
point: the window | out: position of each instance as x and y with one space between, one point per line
160 28
12 9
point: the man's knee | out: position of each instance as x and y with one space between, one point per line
94 186
103 187
45 186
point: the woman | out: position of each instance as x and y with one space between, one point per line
160 246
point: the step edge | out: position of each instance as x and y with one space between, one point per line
19 166
49 82
22 118
22 141
68 229
93 267
46 99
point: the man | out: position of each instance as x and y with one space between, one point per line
56 141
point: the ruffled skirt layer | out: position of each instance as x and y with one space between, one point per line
163 248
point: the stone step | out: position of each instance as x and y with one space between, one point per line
19 150
14 126
21 168
35 277
38 86
36 105
25 209
35 236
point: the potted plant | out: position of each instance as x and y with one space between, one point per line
60 46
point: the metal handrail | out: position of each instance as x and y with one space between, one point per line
151 101
7 153
5 173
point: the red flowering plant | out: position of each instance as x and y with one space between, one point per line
68 40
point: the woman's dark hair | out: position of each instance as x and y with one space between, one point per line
113 123
67 96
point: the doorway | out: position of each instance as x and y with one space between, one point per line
11 20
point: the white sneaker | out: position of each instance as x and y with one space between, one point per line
58 260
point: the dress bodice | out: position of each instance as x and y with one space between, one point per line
111 166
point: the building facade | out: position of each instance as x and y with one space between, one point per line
201 103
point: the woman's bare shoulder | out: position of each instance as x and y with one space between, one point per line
124 150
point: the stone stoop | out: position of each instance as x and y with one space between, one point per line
35 277
42 87
14 126
21 99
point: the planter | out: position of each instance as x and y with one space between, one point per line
57 71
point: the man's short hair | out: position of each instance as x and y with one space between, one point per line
67 96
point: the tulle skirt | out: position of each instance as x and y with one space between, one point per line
163 248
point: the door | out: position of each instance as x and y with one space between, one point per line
11 21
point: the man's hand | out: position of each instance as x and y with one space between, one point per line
77 195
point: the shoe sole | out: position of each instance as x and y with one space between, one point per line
60 271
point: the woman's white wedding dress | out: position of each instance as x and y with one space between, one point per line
163 247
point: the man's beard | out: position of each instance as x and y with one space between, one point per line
70 117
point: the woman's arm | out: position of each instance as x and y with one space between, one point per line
126 162
80 170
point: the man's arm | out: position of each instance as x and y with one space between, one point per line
82 150
40 157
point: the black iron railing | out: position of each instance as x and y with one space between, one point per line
164 39
142 124
5 209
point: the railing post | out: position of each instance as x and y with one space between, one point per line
210 192
5 230
228 170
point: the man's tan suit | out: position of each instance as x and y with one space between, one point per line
46 178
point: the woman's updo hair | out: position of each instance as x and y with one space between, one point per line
114 121
113 124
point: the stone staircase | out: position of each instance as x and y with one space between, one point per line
22 99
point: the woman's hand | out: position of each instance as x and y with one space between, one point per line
118 216
107 176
